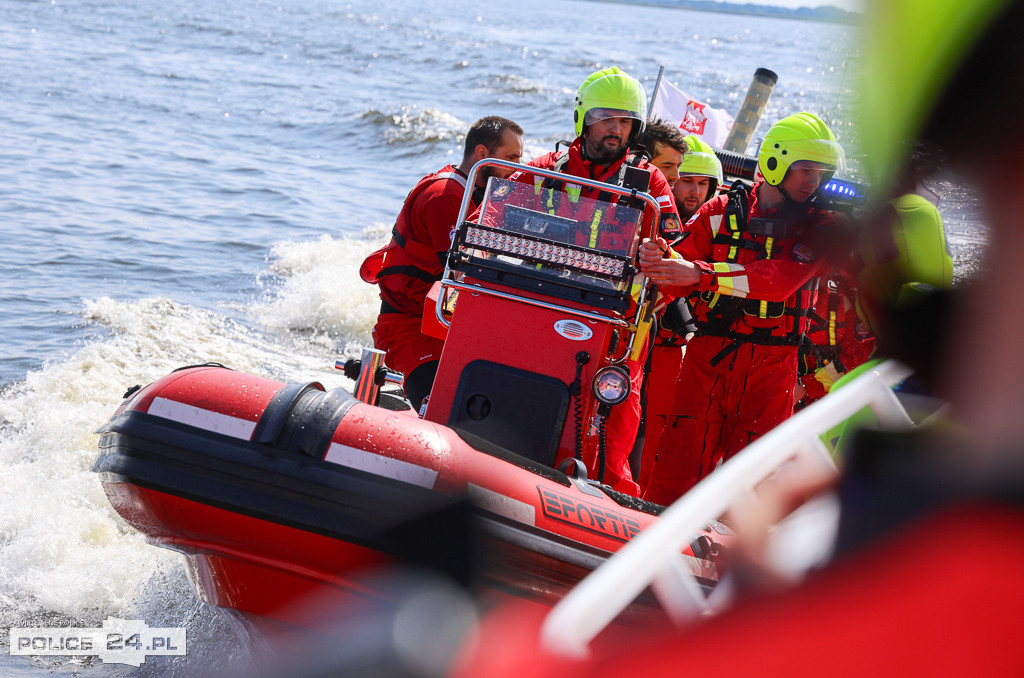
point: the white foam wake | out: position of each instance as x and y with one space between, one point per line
65 556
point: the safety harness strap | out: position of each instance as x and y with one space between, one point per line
410 270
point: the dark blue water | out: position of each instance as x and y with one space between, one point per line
185 181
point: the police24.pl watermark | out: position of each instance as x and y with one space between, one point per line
119 641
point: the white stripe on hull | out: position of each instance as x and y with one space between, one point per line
498 503
380 465
204 419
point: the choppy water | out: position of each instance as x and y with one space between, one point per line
187 181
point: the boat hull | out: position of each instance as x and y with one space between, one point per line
281 493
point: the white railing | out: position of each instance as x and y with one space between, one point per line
653 557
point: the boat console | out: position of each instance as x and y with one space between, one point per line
547 304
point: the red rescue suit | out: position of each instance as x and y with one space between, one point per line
837 339
624 420
408 265
758 280
577 165
666 362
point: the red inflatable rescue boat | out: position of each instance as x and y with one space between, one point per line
277 493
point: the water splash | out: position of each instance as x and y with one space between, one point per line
65 556
317 293
412 125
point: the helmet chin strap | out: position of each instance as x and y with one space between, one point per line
786 199
634 134
788 205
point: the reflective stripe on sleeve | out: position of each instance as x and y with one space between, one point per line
731 279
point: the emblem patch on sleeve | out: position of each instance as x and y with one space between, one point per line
669 225
803 253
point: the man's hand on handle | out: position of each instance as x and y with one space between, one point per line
663 271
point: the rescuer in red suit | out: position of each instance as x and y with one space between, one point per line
751 272
837 339
893 600
609 115
407 266
896 598
697 180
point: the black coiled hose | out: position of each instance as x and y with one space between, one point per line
576 390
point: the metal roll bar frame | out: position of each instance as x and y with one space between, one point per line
448 280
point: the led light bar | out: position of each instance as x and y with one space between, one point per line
526 248
843 190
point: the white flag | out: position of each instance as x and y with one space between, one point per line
693 116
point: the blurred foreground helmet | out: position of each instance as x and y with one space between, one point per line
912 48
610 93
802 136
904 257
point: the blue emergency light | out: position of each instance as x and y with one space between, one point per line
843 190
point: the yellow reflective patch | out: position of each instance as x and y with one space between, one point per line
549 201
827 376
594 224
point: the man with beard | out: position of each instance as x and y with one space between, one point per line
609 114
408 266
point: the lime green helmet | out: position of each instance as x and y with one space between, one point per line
700 160
802 136
911 49
902 255
610 93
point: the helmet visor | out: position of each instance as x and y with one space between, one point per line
823 151
599 114
697 163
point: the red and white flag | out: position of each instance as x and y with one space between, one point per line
693 116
